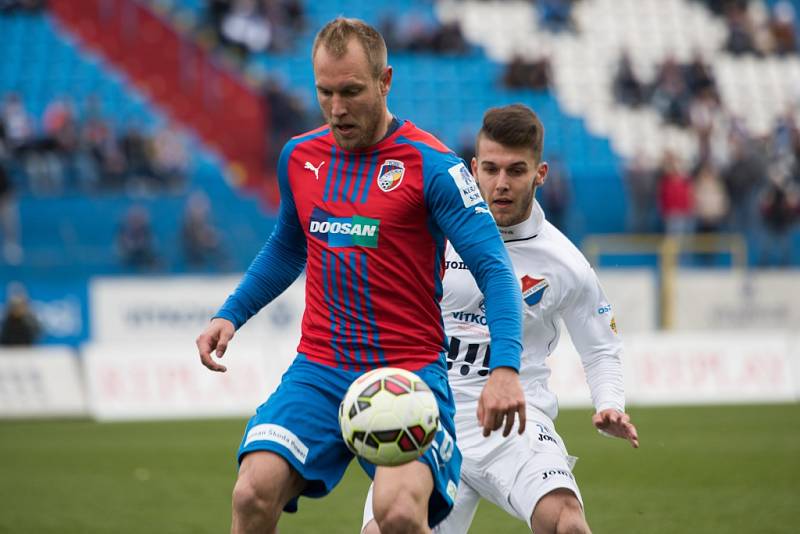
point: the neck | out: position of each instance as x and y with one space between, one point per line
386 121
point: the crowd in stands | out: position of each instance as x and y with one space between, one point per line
412 31
67 150
755 29
70 153
203 249
684 94
739 183
21 6
255 26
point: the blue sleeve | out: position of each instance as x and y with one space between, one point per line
457 208
279 263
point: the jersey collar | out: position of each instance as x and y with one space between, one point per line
527 229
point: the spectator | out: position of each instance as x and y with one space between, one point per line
782 28
17 123
11 251
19 325
202 245
135 241
628 89
170 160
9 216
522 74
710 200
741 33
106 167
448 39
557 196
246 28
743 178
136 147
555 15
9 6
699 77
640 179
780 211
670 95
675 198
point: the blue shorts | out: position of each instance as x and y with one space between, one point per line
300 422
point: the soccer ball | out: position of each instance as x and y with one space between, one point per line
389 416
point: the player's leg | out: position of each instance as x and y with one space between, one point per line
420 494
292 446
559 512
463 512
400 498
457 522
266 483
531 479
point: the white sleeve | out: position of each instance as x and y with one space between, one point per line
589 320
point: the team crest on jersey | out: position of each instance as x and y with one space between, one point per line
390 175
533 289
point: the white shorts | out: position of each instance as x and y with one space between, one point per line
514 472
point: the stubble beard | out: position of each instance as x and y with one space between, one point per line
368 130
517 216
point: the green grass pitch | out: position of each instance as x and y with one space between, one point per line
699 470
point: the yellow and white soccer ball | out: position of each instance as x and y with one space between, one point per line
389 416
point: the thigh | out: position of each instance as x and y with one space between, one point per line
443 459
408 481
299 422
268 473
516 472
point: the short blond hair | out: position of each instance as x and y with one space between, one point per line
335 35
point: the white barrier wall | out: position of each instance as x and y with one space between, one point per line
166 380
734 299
40 382
633 295
144 363
178 308
692 368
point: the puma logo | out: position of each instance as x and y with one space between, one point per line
309 167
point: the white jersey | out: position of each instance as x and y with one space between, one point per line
557 283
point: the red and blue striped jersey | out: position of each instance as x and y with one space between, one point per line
370 227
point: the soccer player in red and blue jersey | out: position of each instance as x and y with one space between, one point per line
366 205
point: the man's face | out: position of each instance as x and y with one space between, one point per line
507 178
352 100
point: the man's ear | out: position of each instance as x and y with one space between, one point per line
541 174
474 166
386 80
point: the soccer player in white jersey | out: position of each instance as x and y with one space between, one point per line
529 475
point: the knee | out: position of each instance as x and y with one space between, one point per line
251 498
571 521
401 515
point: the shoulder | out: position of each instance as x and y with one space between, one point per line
562 257
422 140
319 136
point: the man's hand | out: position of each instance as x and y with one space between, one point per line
500 399
617 424
216 336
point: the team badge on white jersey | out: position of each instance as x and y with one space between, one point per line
390 175
533 289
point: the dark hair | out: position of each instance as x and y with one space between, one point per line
515 126
335 35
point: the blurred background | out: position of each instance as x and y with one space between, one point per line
138 142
